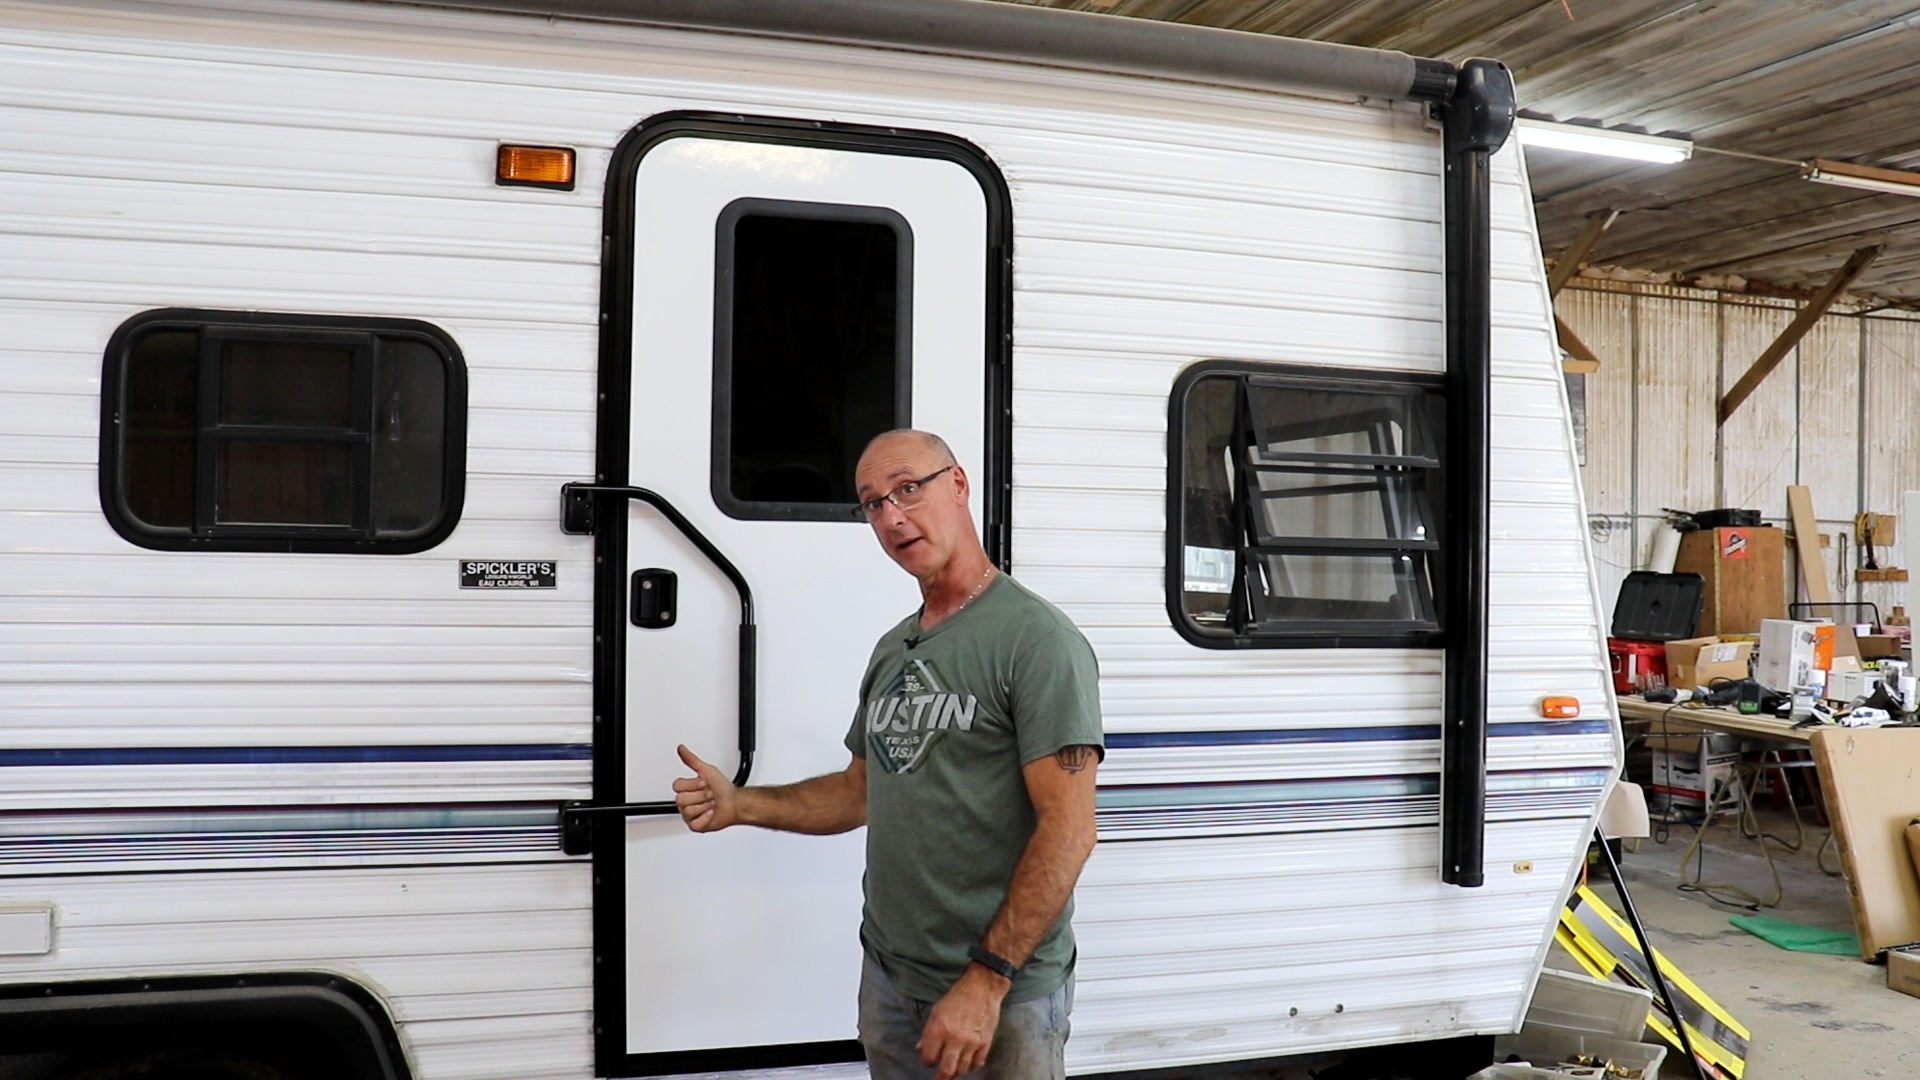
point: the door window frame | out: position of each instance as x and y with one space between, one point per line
724 295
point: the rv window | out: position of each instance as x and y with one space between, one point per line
1302 507
284 433
812 352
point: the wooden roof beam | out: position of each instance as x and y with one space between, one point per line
1569 260
1582 361
1803 322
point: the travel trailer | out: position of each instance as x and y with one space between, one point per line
418 418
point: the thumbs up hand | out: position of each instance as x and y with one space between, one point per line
708 801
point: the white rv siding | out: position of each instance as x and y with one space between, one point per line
332 158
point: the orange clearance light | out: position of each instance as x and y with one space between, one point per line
1560 708
535 166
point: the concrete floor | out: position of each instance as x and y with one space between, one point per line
1811 1015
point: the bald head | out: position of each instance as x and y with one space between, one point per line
931 447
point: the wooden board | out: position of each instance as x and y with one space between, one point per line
1870 778
1813 567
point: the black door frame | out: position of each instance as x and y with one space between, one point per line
610 533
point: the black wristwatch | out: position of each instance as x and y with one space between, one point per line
993 962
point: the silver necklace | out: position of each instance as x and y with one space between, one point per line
977 590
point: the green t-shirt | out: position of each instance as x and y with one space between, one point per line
945 727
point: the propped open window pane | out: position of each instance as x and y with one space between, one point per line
1292 423
1315 587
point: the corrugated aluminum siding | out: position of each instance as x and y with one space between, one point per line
1802 426
334 158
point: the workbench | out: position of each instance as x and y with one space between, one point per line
1687 718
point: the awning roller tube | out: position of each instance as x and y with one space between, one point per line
1047 36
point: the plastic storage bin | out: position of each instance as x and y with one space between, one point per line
1570 1001
1576 1014
1545 1047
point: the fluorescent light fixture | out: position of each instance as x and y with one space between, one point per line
1865 177
1598 140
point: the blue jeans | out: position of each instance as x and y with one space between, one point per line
1030 1043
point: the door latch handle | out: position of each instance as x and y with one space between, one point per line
654 604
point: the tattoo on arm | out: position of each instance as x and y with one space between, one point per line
1074 758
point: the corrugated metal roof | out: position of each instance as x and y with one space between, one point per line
1771 78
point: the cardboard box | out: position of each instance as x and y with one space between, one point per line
1688 770
1851 685
1694 662
1879 646
1787 657
1903 971
1913 843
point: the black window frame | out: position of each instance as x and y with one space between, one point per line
361 334
1246 628
723 310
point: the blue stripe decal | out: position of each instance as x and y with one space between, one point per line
294 755
1143 740
1398 733
1537 728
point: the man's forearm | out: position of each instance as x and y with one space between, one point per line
1042 884
820 806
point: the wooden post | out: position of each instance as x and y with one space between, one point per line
1796 330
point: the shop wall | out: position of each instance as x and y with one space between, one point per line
1840 414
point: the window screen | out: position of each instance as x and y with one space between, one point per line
812 352
289 433
1301 507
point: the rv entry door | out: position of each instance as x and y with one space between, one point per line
789 292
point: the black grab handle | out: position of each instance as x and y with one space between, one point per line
579 516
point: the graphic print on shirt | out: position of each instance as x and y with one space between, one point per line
912 714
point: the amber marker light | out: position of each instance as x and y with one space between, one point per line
1560 708
535 166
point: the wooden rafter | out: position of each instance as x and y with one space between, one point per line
1569 260
1803 322
1583 361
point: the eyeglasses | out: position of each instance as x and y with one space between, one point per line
906 496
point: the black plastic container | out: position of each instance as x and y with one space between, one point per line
1725 518
1657 607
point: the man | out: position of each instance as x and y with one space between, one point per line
974 749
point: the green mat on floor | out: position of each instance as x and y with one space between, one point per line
1789 935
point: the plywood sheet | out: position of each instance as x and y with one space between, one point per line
1871 780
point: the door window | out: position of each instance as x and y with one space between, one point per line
812 352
